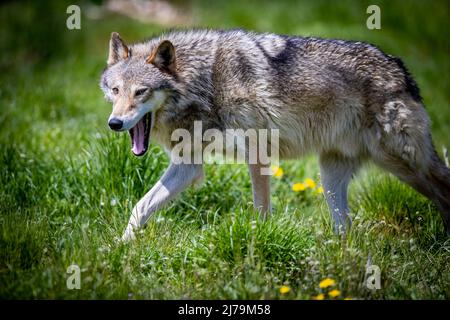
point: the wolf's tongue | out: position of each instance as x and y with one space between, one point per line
138 137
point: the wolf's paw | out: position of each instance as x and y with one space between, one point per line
342 224
128 235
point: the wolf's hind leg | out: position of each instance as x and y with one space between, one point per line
336 172
403 146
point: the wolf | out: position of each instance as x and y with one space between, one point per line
346 101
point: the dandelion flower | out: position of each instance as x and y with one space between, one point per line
334 293
299 187
325 283
310 183
277 172
320 296
319 190
284 289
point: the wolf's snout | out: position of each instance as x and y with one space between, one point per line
115 124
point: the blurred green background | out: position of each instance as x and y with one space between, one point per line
60 167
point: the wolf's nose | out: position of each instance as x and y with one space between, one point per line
115 124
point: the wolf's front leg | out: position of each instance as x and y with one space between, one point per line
176 179
261 189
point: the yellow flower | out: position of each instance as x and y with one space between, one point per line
310 183
334 293
298 187
320 296
284 289
319 190
325 283
277 172
348 298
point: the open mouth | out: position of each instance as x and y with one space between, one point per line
140 135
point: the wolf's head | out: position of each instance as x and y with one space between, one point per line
137 85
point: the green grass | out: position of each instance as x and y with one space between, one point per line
68 184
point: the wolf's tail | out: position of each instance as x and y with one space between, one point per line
439 175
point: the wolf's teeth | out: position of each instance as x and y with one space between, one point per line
140 135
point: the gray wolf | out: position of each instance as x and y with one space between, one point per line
346 101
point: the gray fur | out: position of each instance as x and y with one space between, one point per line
345 101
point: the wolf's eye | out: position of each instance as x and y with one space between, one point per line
115 90
140 92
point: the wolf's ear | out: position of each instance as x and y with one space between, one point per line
117 49
163 57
